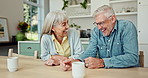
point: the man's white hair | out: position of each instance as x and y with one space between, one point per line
108 11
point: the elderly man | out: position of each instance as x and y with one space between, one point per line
113 43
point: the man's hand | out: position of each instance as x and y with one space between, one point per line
67 64
94 63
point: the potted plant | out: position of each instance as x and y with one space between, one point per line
77 27
66 2
23 28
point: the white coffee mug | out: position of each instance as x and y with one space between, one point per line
12 64
78 69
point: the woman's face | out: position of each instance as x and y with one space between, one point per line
61 29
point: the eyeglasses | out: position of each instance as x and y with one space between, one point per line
101 23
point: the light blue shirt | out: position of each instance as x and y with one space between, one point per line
48 45
118 50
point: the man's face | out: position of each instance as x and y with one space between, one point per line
105 24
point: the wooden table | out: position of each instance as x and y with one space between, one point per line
35 68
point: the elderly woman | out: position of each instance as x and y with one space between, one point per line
58 42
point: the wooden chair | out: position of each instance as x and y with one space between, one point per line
10 54
141 59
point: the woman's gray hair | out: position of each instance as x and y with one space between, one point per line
105 8
53 18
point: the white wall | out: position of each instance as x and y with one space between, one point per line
55 5
85 23
13 11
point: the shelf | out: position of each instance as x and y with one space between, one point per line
71 6
84 16
8 44
89 16
29 41
84 40
120 1
127 13
143 43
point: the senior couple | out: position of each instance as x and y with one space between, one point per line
113 43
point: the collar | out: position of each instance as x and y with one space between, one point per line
115 27
54 38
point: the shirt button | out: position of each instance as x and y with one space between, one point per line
108 40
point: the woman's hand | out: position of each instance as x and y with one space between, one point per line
55 60
67 64
50 62
59 58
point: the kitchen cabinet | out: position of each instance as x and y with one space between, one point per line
29 47
76 11
125 9
4 48
85 44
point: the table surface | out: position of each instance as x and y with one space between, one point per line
35 68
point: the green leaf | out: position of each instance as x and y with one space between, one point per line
84 4
65 4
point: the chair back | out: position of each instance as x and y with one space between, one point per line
141 59
11 54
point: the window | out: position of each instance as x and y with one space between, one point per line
34 1
31 13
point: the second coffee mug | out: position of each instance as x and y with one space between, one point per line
78 69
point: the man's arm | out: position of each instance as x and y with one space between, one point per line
130 50
91 50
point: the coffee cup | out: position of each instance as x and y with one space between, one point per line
78 69
12 64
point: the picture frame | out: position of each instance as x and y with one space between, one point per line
4 35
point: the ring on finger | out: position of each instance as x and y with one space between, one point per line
86 64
